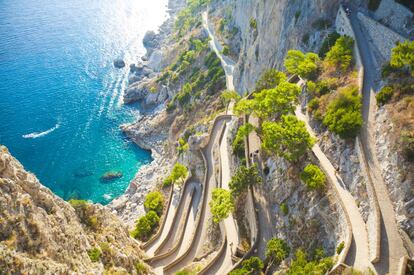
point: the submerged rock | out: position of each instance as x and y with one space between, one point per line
111 175
119 63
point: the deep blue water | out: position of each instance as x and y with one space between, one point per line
60 96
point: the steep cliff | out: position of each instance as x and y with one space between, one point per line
41 233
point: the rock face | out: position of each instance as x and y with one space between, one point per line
41 233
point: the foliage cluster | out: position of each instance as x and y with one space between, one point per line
178 175
94 254
403 56
302 264
251 266
188 17
243 178
288 138
340 55
270 79
145 225
328 43
304 65
238 142
154 201
277 250
86 213
221 204
313 177
384 95
343 116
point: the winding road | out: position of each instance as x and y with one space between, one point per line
392 248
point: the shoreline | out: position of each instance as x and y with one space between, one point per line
129 206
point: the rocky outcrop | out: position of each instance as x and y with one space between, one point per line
119 63
41 233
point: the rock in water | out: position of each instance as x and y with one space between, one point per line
108 176
119 63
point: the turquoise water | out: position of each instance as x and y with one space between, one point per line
61 97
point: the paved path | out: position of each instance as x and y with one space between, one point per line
168 222
359 253
198 241
392 248
226 62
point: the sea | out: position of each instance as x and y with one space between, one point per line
61 97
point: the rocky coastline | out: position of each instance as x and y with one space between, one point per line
151 130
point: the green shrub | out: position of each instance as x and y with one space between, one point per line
226 50
243 178
154 201
288 138
343 116
373 4
284 208
403 56
302 265
340 55
238 142
407 145
94 254
384 95
313 177
178 175
251 266
313 104
277 250
141 268
221 204
253 23
328 43
145 226
270 79
305 65
340 247
297 15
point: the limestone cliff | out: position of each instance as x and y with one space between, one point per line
41 233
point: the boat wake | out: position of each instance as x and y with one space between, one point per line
41 134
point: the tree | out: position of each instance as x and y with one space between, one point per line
154 201
403 55
305 65
243 178
251 266
238 142
340 55
178 174
384 95
145 225
228 96
244 107
221 205
288 138
276 251
328 43
300 265
344 116
280 100
313 177
270 79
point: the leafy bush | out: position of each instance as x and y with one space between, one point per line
141 268
253 23
238 142
270 79
154 201
403 56
373 4
313 104
343 116
384 95
145 226
340 247
340 55
94 254
277 250
302 265
322 87
251 266
407 145
277 101
178 174
313 177
288 138
284 208
228 96
221 204
243 178
226 50
328 43
305 65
